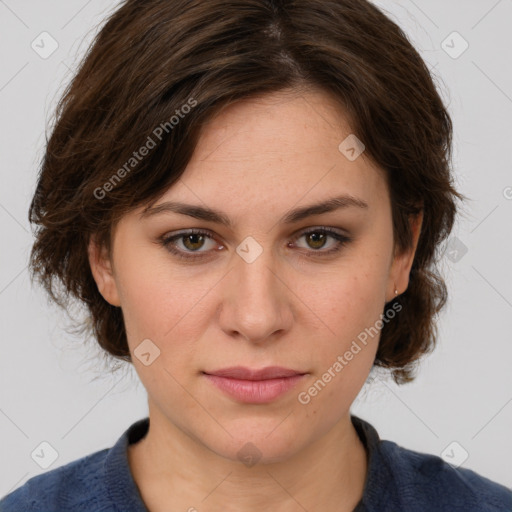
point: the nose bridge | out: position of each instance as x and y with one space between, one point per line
257 302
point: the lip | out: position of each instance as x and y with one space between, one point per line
255 386
244 373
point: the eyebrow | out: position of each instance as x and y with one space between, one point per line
218 217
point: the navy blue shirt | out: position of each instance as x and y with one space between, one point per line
398 480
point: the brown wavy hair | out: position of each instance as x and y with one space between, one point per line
151 58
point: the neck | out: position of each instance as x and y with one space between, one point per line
172 468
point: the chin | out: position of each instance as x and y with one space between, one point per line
257 442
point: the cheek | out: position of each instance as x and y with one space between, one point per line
162 303
350 305
354 297
144 299
146 284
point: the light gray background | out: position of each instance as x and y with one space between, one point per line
52 388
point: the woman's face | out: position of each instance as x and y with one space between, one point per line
269 289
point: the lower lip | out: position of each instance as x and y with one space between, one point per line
255 391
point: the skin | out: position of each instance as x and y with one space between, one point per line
255 161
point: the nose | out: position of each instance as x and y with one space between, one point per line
256 300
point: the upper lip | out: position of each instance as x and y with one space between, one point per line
243 373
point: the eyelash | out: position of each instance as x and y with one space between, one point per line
167 243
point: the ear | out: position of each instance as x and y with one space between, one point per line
102 271
402 263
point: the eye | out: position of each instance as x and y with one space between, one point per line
316 238
193 240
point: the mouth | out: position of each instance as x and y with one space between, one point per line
255 386
244 373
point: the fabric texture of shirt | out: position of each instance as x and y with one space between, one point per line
398 479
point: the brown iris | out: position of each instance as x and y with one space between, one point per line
318 239
192 238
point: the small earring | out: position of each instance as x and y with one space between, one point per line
396 291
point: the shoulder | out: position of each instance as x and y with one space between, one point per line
400 479
425 480
78 485
101 481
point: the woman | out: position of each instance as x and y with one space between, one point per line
248 197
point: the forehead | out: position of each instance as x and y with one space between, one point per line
281 139
281 123
267 155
